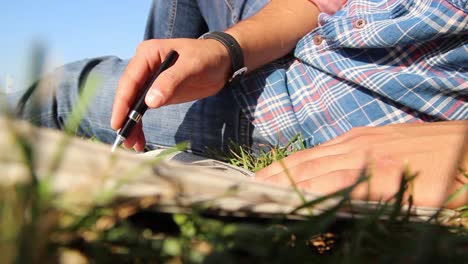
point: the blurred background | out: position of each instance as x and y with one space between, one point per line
68 31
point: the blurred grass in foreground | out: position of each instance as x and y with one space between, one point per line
33 229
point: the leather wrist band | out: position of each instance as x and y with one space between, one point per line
234 50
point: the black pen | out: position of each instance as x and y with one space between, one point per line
140 107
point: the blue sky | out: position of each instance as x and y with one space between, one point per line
70 30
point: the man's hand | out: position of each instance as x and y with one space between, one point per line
201 70
204 65
432 150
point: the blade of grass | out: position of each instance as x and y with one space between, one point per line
346 192
406 178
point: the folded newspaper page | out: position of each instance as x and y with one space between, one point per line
80 171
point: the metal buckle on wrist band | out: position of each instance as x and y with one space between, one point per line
238 73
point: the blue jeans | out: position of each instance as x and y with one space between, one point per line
207 124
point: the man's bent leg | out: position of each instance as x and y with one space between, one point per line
192 18
174 19
49 102
220 15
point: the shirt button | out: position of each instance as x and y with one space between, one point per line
318 40
360 23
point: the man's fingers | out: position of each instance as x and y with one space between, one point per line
383 183
132 81
140 144
119 112
335 181
302 156
140 138
314 168
164 86
135 136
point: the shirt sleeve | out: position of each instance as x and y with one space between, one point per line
329 6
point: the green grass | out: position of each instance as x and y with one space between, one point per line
243 157
34 229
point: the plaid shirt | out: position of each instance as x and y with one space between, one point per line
374 62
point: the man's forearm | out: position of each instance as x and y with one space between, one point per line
274 31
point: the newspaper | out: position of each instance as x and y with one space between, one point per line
80 171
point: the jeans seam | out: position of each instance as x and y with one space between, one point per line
244 130
172 19
230 6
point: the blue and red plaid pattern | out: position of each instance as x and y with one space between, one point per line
370 64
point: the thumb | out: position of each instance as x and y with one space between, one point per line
164 87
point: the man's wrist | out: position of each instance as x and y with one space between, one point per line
236 55
223 60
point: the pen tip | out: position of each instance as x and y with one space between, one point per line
113 147
117 142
